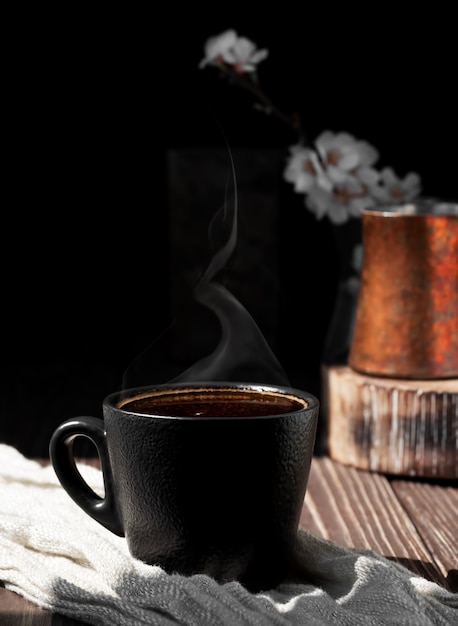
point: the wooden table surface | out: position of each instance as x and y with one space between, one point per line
412 521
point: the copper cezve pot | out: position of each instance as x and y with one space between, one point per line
406 323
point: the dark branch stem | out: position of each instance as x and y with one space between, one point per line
246 82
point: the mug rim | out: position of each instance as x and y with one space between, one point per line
311 402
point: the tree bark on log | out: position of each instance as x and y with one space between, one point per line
392 426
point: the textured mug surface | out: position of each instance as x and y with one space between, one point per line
213 483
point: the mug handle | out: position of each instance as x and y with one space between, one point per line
104 510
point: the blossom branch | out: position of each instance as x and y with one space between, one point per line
246 81
336 174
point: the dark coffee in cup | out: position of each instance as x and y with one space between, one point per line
211 402
200 478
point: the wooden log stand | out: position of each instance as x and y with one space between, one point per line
392 426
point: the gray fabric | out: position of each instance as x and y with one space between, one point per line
52 553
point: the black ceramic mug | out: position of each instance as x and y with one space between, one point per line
199 478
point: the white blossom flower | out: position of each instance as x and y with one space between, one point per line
302 169
344 151
239 52
341 203
216 48
337 176
394 189
244 55
342 154
352 283
357 257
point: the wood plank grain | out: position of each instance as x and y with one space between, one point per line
17 611
360 509
433 508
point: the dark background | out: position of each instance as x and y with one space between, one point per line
95 102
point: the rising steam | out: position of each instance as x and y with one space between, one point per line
242 354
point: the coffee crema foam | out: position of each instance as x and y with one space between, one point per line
212 402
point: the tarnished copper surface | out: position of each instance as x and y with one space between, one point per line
407 315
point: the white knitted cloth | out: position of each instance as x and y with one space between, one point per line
55 555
